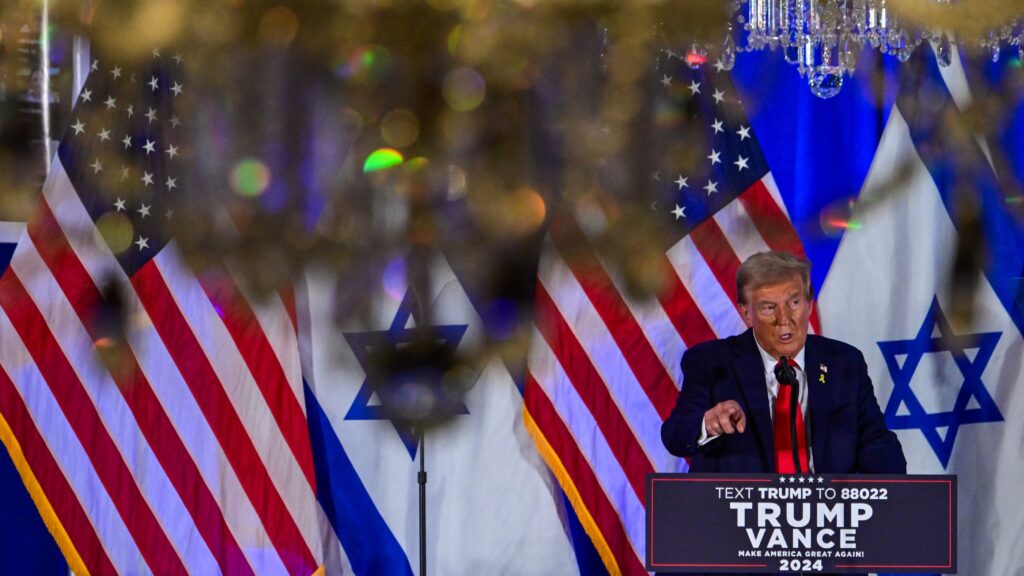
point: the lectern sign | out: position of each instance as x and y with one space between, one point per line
727 523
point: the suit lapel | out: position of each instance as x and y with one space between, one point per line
818 403
750 373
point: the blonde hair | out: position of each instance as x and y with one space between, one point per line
766 268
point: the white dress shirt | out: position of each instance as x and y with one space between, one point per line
773 392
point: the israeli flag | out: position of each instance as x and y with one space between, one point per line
952 390
492 507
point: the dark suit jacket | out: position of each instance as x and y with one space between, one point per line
848 431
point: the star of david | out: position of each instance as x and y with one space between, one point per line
397 335
972 387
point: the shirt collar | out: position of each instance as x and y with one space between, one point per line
770 362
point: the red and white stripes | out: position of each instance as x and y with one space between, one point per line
193 457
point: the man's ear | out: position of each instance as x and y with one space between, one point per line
745 313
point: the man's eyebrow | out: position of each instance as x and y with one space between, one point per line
790 296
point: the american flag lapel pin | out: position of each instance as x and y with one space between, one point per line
824 370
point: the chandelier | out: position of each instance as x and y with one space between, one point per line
822 38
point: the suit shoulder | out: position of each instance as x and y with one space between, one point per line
711 347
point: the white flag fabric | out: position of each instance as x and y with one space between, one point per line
491 505
954 394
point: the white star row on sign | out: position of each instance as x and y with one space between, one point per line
801 479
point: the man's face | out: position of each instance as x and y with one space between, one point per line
779 315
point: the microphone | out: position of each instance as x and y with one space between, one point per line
786 375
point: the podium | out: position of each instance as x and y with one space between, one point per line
769 523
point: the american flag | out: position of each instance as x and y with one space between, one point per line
187 450
603 367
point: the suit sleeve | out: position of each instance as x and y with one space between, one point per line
681 429
878 449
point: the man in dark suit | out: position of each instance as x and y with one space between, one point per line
723 420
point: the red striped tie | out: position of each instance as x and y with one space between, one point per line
783 436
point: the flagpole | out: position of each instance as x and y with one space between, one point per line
44 67
422 479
